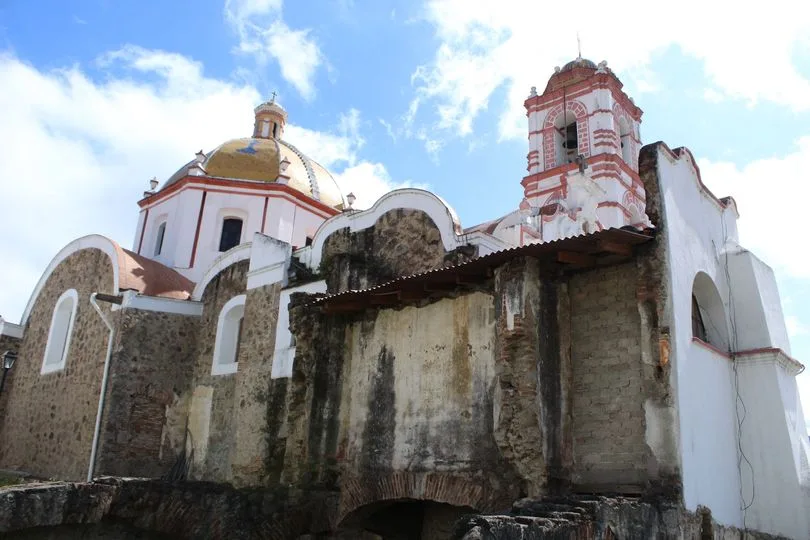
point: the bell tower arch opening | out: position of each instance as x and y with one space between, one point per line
566 138
626 140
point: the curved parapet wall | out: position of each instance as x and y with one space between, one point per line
442 215
130 271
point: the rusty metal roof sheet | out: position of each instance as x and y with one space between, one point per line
603 248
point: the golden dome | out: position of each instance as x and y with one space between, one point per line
259 159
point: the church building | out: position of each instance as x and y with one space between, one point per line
385 372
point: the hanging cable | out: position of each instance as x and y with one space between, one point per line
739 402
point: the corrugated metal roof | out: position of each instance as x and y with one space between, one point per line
603 248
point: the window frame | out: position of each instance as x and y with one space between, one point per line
51 367
225 338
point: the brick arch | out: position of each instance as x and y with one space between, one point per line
581 114
360 492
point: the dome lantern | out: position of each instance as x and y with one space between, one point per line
270 120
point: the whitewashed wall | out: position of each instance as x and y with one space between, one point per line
285 221
700 233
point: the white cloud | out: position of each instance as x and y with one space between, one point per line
485 45
368 181
795 327
78 152
263 34
770 194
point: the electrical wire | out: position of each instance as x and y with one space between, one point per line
739 402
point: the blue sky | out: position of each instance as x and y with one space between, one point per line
97 96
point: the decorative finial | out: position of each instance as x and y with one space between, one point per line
350 198
579 48
273 99
199 156
556 69
533 91
153 183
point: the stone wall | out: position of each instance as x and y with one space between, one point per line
47 429
147 393
400 243
259 402
214 408
609 448
599 518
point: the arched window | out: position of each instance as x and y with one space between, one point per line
231 233
161 232
566 138
56 349
709 322
626 141
229 336
265 128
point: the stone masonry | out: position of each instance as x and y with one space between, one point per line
149 384
216 409
48 426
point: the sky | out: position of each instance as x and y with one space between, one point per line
99 96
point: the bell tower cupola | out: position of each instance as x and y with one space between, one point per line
583 131
270 120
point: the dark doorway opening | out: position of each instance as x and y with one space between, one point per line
405 519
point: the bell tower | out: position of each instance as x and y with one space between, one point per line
583 154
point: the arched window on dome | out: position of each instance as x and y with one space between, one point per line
229 336
231 234
566 138
265 128
58 344
161 233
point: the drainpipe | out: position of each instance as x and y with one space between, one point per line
105 377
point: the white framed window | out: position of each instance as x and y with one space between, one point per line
229 334
58 345
161 233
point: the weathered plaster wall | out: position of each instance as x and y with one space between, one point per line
412 378
401 242
47 428
609 445
148 393
531 415
214 409
418 394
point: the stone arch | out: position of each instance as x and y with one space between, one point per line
437 487
708 311
578 112
422 501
